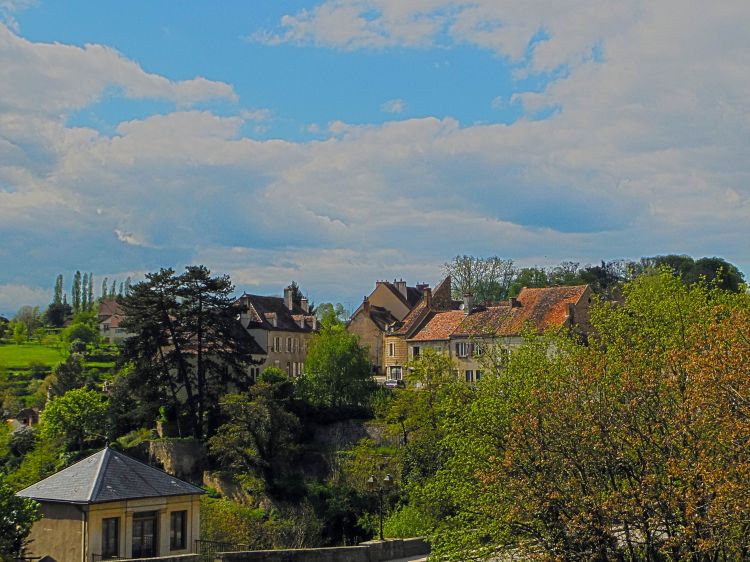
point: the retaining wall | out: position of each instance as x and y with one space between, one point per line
372 551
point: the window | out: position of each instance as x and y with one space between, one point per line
277 344
477 375
111 537
462 349
415 352
469 375
177 530
396 373
289 345
479 349
391 349
295 345
145 535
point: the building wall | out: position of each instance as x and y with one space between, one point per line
370 336
400 356
59 533
125 511
383 296
283 359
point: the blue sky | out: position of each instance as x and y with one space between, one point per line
336 142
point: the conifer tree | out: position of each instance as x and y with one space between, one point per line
57 299
85 292
105 284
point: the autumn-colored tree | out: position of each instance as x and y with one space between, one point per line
633 448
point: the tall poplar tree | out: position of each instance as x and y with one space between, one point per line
76 292
58 297
91 292
85 293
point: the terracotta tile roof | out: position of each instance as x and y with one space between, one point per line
440 326
415 317
542 308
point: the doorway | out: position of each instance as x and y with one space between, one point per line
145 536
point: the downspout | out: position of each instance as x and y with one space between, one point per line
84 534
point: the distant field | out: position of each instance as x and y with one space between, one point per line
14 356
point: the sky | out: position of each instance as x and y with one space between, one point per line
338 142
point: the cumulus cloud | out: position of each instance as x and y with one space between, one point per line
44 78
394 106
645 153
14 296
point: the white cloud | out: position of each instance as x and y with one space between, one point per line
8 9
46 78
393 106
646 154
14 296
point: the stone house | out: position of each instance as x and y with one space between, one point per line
388 303
395 350
467 333
110 318
282 326
110 505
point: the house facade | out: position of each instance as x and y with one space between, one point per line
111 506
395 348
110 318
282 327
389 303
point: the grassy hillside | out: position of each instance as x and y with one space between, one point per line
23 356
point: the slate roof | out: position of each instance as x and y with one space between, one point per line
107 476
261 311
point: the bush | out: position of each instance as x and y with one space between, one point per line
408 521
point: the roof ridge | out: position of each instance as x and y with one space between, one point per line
97 483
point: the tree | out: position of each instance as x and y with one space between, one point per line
337 368
260 436
90 299
58 295
20 334
488 279
30 317
67 376
17 515
188 347
630 448
85 292
56 314
328 309
104 288
77 417
76 292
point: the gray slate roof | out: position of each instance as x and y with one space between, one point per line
107 476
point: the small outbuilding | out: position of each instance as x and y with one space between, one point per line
110 505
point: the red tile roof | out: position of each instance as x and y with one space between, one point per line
541 308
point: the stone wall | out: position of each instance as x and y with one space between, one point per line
372 551
183 458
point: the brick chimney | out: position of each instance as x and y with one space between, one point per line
468 303
304 305
427 295
289 298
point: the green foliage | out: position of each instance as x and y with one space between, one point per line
80 331
76 418
36 465
408 521
259 437
337 369
17 515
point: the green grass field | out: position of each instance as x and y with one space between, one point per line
14 356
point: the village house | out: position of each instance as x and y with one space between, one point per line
395 351
110 505
388 303
282 326
467 333
110 318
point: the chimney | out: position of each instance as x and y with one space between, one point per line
468 303
366 305
315 323
401 286
304 305
571 313
289 298
514 303
427 295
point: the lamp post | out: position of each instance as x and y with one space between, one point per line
380 486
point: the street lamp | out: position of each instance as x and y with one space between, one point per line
380 487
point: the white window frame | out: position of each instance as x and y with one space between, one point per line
462 349
395 373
